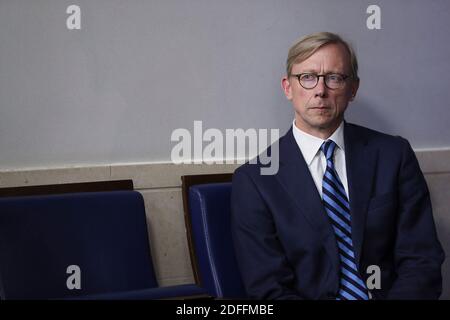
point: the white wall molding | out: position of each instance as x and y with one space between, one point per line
163 175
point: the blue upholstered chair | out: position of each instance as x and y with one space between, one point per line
103 233
209 211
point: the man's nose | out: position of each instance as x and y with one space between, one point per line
320 90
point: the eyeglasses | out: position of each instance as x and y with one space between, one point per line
332 80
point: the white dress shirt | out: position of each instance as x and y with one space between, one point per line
315 159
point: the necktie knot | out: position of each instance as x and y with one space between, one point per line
328 148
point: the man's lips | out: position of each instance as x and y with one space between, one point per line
320 108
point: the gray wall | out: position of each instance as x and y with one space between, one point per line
116 89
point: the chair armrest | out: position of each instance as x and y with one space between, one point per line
185 291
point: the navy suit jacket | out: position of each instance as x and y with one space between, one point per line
285 245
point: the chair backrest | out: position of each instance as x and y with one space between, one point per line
102 233
74 187
209 209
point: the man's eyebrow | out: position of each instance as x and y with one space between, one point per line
309 71
315 71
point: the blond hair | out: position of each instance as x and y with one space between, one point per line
307 46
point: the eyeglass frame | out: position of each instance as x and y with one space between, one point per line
344 76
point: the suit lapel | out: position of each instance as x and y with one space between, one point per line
360 161
296 179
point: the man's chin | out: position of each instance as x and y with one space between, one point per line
325 125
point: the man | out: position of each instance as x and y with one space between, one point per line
345 201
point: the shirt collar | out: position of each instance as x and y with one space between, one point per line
309 145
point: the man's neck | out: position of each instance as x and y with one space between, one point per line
322 133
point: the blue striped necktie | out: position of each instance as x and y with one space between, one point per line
351 286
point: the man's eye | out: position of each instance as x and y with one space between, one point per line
308 77
334 77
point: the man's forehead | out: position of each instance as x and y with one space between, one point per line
333 57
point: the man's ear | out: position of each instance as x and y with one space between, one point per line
354 90
286 86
